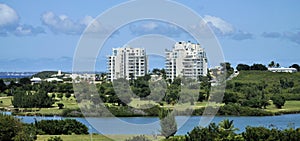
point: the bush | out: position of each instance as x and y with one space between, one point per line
278 101
58 127
60 105
12 129
55 139
138 138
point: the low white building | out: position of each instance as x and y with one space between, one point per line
35 80
53 80
290 70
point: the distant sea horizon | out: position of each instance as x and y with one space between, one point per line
16 74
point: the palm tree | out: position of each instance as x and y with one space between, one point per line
227 125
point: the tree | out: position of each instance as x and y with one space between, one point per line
278 101
230 98
272 64
240 67
227 125
2 86
258 67
55 139
227 67
25 81
138 138
296 66
167 123
227 128
60 105
12 129
60 95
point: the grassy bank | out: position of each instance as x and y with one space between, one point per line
94 137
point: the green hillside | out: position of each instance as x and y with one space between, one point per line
287 84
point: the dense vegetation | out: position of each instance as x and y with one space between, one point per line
256 88
58 127
12 129
225 131
252 92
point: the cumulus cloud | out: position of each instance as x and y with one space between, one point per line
224 29
219 25
24 30
271 34
292 36
288 35
242 35
65 25
8 16
61 23
10 23
155 27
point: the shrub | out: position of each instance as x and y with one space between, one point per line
138 138
55 139
58 127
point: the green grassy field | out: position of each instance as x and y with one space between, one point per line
6 101
94 137
288 107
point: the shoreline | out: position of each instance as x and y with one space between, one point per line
82 116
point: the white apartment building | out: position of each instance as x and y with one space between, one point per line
186 59
126 63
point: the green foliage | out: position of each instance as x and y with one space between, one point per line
230 97
140 86
167 123
278 101
259 67
241 67
224 131
58 127
236 109
55 139
60 95
25 81
60 105
262 133
13 129
2 86
9 127
71 113
226 67
26 99
296 66
45 74
138 138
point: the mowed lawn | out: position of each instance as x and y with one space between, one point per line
95 137
69 103
288 106
6 101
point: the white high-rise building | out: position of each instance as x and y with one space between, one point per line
127 63
186 60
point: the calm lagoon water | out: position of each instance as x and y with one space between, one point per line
150 125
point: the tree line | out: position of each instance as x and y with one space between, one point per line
12 129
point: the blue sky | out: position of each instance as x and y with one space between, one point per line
43 35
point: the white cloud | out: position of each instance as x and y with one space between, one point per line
292 36
8 16
65 25
222 26
26 30
61 23
155 27
10 24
